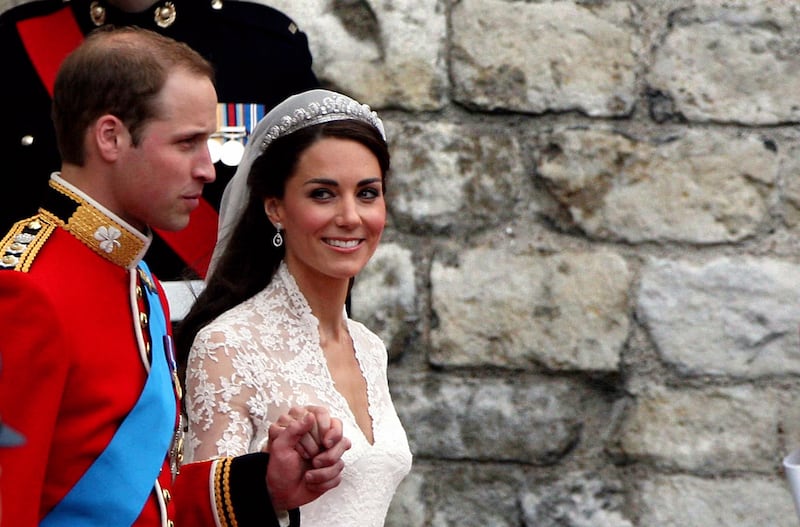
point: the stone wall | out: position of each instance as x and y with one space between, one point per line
590 283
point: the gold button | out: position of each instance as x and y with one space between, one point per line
35 225
167 495
216 4
170 523
143 318
97 13
165 15
27 140
9 260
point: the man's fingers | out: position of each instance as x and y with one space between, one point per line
332 455
327 477
322 488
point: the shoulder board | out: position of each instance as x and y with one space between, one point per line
18 248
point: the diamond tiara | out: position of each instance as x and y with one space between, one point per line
332 108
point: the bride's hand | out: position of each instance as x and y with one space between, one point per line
323 434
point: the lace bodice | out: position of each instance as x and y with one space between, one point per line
259 359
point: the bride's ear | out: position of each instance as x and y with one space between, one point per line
271 207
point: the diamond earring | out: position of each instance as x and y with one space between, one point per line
277 240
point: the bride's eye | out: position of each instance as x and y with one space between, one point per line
321 193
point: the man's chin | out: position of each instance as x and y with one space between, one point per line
172 226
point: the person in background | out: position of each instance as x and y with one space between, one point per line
302 217
88 356
260 57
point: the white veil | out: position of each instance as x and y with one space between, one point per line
298 111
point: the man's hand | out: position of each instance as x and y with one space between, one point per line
306 447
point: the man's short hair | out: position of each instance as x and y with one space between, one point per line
117 71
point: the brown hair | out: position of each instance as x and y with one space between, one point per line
245 267
117 71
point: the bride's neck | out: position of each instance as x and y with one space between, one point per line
325 297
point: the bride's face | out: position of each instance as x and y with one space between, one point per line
333 210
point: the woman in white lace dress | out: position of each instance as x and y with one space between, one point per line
303 215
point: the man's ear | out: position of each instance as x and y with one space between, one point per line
109 135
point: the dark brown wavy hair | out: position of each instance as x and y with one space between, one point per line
250 260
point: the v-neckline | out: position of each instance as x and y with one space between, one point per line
342 400
300 303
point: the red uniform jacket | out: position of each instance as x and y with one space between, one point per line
73 367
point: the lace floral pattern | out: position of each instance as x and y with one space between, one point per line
262 357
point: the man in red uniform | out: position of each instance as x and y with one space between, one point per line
88 370
260 57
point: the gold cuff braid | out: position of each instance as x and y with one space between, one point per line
222 493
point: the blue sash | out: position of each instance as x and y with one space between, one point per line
116 486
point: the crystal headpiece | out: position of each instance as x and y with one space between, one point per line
298 111
333 107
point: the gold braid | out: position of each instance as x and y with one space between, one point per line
227 490
218 491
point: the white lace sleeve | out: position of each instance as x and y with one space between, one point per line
260 358
217 401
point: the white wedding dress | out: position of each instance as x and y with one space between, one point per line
262 357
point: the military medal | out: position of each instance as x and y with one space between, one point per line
235 123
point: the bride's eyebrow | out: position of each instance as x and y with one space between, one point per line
370 181
334 183
321 181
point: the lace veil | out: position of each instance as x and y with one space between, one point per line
298 111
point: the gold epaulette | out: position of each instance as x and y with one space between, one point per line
18 248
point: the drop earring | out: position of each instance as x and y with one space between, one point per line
277 240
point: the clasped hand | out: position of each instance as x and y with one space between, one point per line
305 446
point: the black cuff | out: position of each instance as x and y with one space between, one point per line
247 498
294 518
